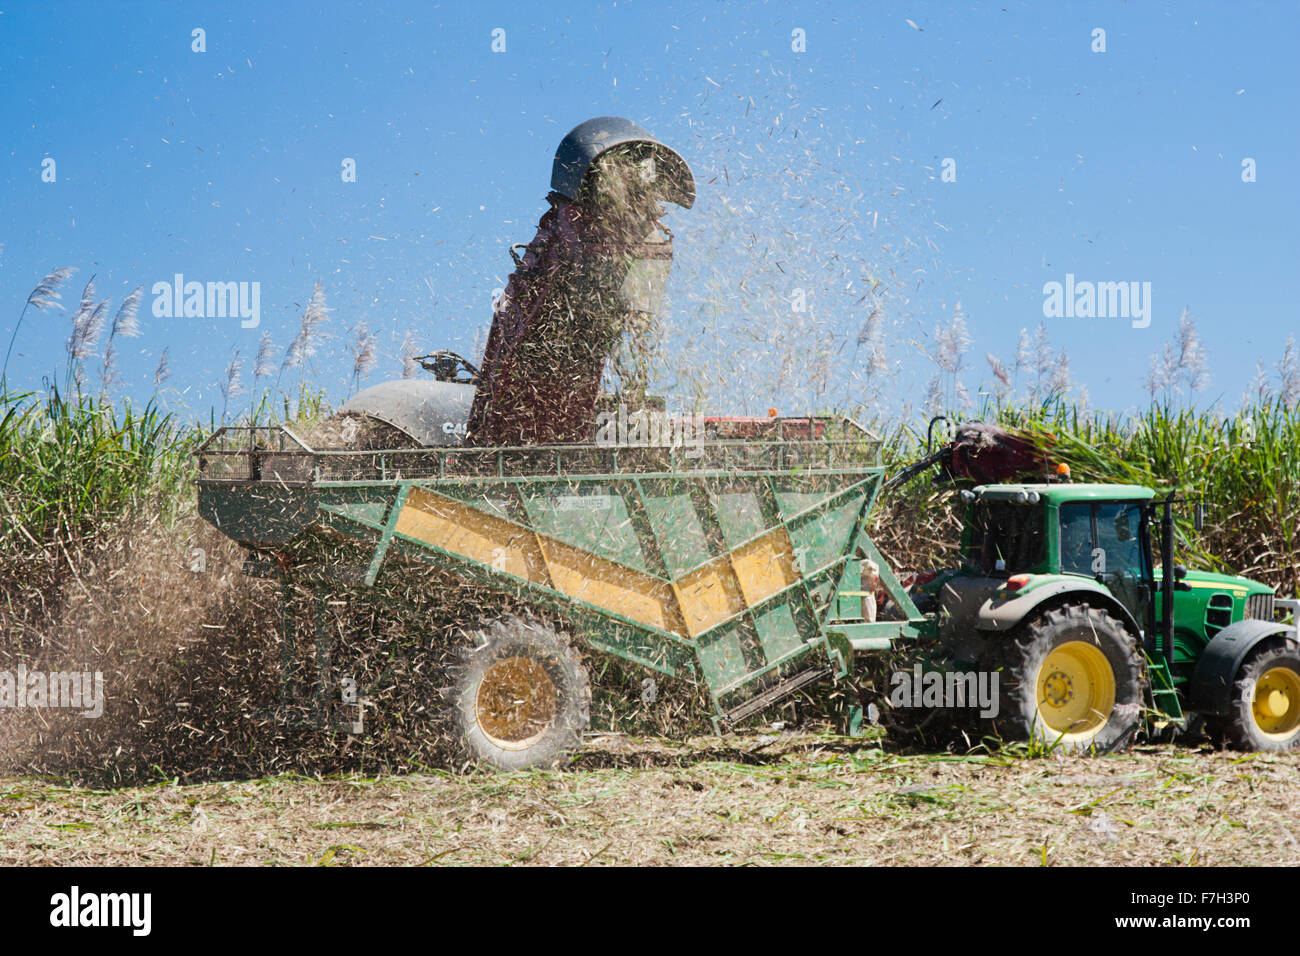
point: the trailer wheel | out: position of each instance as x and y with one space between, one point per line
1073 680
521 698
1265 709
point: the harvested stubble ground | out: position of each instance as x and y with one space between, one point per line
747 799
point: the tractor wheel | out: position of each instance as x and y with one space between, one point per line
521 698
1072 679
1265 709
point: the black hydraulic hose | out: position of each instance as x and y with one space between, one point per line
914 469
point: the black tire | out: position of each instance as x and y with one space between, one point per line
1254 722
521 698
1091 699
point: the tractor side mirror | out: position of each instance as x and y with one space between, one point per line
1180 572
1198 515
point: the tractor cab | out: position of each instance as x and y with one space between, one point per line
1026 536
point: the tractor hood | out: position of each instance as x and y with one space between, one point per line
1221 582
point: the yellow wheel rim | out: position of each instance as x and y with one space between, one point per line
515 703
1076 690
1276 707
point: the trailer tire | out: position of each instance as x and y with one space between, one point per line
1072 680
1265 710
521 697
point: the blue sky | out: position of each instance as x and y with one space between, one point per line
817 169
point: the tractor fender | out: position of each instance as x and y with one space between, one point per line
1210 690
1004 613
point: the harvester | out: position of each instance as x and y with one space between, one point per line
741 559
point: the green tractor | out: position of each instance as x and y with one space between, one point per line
1065 591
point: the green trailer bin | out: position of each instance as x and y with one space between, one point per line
745 565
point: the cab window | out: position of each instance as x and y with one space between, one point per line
1101 537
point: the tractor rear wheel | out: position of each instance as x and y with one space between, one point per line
1072 679
1265 709
521 697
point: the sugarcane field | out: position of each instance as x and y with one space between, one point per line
630 435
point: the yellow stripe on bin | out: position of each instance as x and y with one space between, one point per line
586 577
764 566
447 524
709 595
721 589
463 530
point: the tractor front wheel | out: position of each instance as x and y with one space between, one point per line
521 697
1072 679
1265 709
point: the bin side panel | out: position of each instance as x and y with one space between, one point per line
722 658
495 497
826 535
739 513
795 494
366 506
783 627
588 515
676 526
258 515
752 561
485 539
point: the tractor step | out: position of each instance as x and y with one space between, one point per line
1164 695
